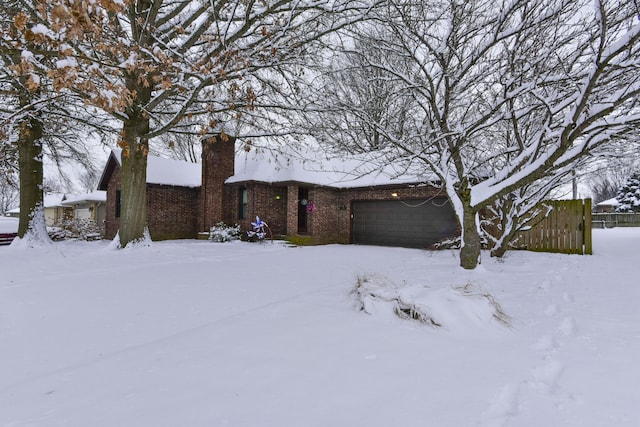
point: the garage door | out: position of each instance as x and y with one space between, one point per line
405 223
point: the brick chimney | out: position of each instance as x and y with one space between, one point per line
218 162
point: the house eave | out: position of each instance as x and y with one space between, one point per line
157 184
333 187
272 183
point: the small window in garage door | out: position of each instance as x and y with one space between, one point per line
405 223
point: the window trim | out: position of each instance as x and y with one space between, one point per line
243 203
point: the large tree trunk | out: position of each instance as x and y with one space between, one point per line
133 216
499 250
470 250
31 178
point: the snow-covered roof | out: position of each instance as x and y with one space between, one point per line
165 171
610 202
96 196
54 200
284 166
313 167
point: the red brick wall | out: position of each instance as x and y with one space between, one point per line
266 201
325 218
218 157
111 223
230 205
172 212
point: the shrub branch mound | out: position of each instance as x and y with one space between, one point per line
447 307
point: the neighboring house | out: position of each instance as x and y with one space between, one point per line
606 206
54 209
91 206
13 213
319 198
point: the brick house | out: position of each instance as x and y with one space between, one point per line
296 197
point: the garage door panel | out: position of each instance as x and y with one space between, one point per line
405 223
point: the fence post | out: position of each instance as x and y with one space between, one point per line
588 244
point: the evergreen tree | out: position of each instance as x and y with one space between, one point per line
629 195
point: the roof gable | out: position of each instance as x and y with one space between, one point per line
609 202
53 200
109 167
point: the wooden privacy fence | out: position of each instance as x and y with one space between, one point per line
615 219
566 228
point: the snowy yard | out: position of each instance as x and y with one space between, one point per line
193 333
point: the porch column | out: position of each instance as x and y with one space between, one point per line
292 209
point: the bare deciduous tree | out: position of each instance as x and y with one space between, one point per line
36 119
354 101
607 176
506 96
8 179
155 65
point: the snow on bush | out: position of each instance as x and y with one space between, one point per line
455 242
74 229
448 243
447 307
222 232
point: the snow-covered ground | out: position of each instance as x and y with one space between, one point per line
193 333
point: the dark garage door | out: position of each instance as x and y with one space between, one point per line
405 223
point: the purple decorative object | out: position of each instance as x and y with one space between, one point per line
260 230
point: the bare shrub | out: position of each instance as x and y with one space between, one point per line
83 229
441 307
498 313
370 288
